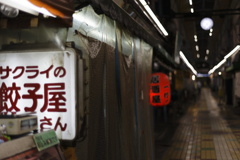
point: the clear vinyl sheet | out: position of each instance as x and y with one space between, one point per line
94 30
143 65
95 36
112 125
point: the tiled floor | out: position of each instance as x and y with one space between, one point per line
206 132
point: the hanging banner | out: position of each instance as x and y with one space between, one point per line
43 82
160 93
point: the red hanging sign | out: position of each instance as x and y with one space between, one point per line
160 94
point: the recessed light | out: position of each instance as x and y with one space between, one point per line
190 2
193 77
197 48
206 23
192 10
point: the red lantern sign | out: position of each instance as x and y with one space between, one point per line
160 94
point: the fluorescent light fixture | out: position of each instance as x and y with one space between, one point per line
206 23
220 63
211 30
26 6
197 48
136 2
153 16
192 10
198 55
190 2
210 72
206 58
232 52
187 63
219 73
193 77
207 51
217 66
210 34
143 2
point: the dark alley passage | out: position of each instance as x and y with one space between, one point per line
120 79
207 131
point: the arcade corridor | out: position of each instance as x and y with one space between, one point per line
206 131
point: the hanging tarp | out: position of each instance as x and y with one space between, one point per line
126 85
143 69
114 64
112 10
95 36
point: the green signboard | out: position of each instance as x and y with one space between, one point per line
45 140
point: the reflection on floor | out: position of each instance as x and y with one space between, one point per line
206 132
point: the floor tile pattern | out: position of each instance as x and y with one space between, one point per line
206 132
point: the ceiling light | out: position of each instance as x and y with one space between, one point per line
210 34
153 16
155 65
195 39
187 63
193 77
211 30
197 49
217 66
210 72
207 51
192 10
190 2
219 73
143 2
206 58
220 63
136 2
232 52
206 23
198 55
195 36
9 11
27 6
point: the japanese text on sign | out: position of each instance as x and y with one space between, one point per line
43 82
53 96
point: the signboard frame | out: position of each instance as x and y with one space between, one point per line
79 87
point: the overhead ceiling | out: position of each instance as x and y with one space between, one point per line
191 27
175 15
